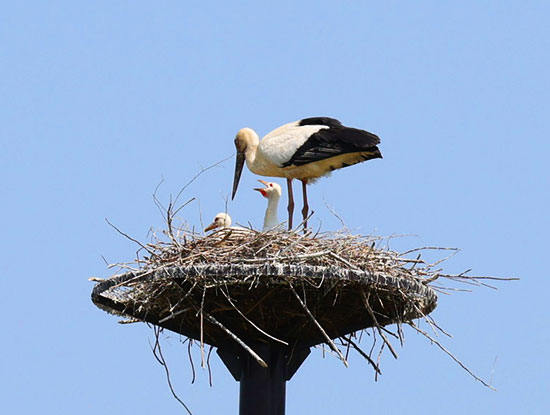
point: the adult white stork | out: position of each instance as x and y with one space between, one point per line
272 192
221 220
305 150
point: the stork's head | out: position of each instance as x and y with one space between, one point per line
245 141
222 220
270 190
244 138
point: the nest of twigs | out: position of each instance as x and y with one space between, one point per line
239 286
283 285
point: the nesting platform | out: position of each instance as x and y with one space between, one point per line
263 299
262 302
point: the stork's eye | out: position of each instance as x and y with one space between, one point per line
270 184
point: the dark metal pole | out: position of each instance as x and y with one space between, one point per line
263 390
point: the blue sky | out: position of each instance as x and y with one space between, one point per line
102 100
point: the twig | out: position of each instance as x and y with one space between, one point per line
202 327
129 237
177 313
333 211
439 261
462 365
323 332
130 321
427 248
196 176
378 359
339 258
362 353
157 351
250 322
234 337
371 313
191 360
493 370
208 365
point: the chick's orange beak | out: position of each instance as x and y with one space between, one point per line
263 191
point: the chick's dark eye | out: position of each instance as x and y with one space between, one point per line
270 184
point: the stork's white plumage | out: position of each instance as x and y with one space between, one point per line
305 150
221 220
272 192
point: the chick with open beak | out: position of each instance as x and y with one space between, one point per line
272 192
222 220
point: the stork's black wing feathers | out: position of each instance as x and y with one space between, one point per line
329 122
334 141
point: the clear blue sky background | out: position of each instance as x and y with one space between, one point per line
101 100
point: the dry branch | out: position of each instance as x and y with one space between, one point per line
438 344
328 339
234 337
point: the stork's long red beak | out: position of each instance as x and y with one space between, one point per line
239 163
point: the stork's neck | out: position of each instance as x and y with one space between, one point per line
271 220
250 155
252 140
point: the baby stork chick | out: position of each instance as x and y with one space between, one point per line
222 220
272 192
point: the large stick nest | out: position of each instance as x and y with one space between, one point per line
297 289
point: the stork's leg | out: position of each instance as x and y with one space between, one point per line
290 203
306 207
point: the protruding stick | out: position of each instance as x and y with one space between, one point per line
323 332
362 353
234 337
371 313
